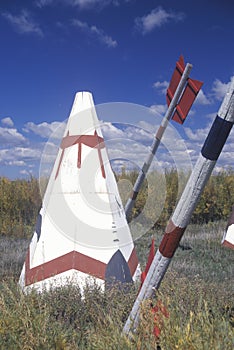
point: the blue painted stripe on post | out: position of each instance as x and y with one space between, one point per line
216 138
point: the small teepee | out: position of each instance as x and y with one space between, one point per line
81 232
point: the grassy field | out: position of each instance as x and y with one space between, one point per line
197 291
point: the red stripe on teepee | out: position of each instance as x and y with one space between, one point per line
79 155
73 260
69 261
93 141
228 244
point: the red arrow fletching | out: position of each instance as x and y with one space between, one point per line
175 79
183 107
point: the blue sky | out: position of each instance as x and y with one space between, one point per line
120 50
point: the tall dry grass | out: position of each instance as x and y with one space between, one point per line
197 292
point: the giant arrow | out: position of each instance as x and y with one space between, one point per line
181 94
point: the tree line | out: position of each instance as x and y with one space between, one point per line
20 200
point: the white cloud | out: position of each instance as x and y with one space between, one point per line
198 134
89 3
227 154
197 137
126 142
27 153
161 86
138 134
110 131
129 142
7 121
159 110
17 163
132 143
129 132
202 99
151 128
19 156
82 4
133 152
96 32
11 136
42 3
23 23
156 18
219 89
46 130
25 172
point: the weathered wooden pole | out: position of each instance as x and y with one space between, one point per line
176 226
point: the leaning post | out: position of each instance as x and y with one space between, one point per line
177 224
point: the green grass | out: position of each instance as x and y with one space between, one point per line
202 254
13 252
197 291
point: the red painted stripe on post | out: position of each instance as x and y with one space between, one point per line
171 240
160 132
